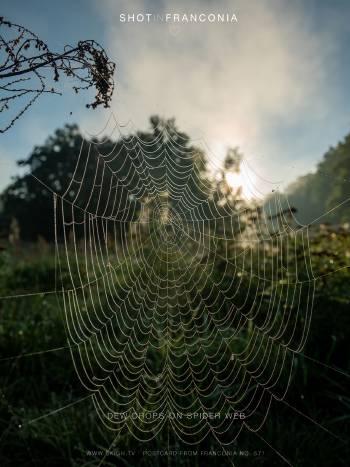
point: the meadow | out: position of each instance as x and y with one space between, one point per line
311 430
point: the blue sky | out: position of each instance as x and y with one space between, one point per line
275 83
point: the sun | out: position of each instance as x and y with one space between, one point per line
240 179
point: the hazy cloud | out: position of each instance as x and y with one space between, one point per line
230 83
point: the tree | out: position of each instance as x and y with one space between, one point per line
226 200
28 67
175 164
29 201
315 195
137 165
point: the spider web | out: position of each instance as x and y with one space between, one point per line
184 305
181 312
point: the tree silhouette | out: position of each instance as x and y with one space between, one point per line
28 67
51 166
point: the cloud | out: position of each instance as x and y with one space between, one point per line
229 83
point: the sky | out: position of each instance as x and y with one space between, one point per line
274 83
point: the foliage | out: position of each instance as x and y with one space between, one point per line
317 194
40 384
51 166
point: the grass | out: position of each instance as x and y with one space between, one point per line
45 381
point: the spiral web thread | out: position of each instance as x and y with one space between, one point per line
187 319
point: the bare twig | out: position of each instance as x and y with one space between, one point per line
26 59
